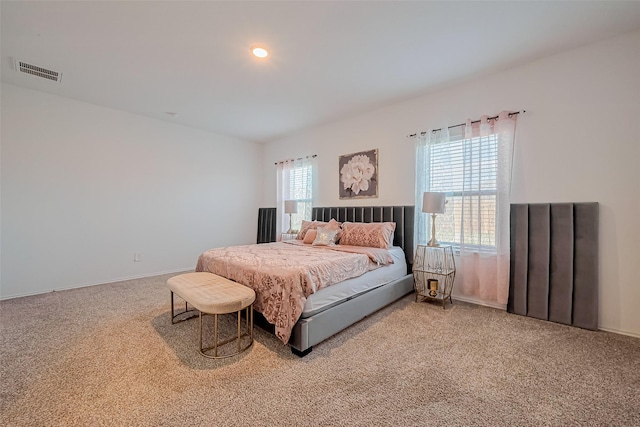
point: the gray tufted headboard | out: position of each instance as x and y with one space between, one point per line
401 215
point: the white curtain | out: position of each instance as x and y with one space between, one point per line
422 222
476 220
294 182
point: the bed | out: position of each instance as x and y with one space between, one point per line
308 311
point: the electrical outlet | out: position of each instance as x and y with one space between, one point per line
137 257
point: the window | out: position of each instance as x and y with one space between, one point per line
472 165
466 170
300 179
295 182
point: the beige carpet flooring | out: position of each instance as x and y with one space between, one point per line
108 356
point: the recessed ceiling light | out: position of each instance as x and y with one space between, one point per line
259 51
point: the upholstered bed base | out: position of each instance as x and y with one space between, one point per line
315 329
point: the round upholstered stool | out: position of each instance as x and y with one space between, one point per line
215 295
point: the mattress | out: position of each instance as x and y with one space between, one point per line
351 288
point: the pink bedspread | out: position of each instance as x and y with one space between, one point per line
284 275
377 255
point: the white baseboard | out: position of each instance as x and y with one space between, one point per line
504 307
616 331
85 285
479 302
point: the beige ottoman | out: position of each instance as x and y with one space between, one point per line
215 295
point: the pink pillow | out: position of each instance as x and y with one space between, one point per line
373 235
310 236
309 225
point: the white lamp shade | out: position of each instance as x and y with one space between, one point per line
433 202
290 206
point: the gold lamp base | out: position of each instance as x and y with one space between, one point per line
289 230
433 242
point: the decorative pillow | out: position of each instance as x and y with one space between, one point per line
373 235
335 225
304 227
325 237
310 236
309 225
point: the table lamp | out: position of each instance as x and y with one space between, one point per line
290 207
433 203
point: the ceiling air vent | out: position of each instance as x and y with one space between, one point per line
34 70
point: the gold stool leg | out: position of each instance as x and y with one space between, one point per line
238 338
200 329
239 318
215 335
172 316
246 313
251 313
186 310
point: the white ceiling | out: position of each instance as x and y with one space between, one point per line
329 60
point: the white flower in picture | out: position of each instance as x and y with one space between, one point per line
357 173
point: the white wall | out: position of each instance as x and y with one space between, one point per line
578 141
84 187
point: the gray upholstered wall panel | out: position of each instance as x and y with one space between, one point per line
266 225
519 219
538 272
561 263
585 280
554 262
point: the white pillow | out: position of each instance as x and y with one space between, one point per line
325 237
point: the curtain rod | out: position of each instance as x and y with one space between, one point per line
413 135
299 158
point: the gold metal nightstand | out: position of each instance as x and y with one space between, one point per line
434 270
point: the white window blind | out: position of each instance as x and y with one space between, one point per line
300 183
466 170
295 182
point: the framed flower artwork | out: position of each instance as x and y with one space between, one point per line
358 175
